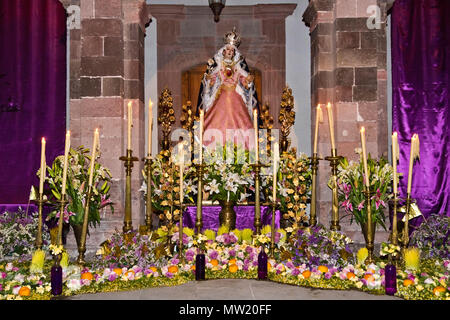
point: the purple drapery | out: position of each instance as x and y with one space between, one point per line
420 70
32 91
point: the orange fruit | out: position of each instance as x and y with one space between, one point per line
24 292
173 269
369 277
323 269
407 282
232 261
233 268
350 275
214 262
87 276
437 289
117 271
306 274
153 269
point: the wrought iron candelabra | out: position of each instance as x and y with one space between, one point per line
314 168
334 162
128 163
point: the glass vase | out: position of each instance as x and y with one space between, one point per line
262 264
390 279
200 266
56 278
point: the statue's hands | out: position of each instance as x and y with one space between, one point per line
250 78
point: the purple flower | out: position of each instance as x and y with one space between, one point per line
249 249
328 275
112 276
290 265
245 267
169 275
213 254
295 272
232 252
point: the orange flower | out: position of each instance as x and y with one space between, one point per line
350 275
193 267
306 274
232 261
154 269
117 271
173 269
407 282
438 289
214 262
24 292
323 269
87 276
369 277
233 268
129 272
269 266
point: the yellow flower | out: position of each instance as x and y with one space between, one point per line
419 287
362 255
412 258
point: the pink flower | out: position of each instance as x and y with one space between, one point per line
361 205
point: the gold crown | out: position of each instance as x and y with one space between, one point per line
232 38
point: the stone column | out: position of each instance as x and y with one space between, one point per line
348 69
107 56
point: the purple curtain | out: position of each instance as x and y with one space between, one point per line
32 91
420 70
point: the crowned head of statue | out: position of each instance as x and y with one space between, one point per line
232 40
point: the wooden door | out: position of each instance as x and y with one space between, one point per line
191 80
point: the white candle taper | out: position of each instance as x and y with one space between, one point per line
255 126
66 161
43 167
395 157
331 125
150 126
413 155
181 163
363 144
276 156
93 155
202 119
319 118
130 124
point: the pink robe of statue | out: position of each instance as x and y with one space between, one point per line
228 112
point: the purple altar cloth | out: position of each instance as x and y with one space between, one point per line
244 217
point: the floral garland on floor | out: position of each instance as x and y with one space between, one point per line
233 254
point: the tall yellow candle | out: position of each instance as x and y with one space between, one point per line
255 126
181 155
331 125
395 157
43 167
319 118
150 126
276 157
202 120
363 144
413 155
66 162
94 150
130 124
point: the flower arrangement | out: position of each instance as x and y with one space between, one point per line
77 187
228 179
389 249
18 234
317 245
166 187
350 180
293 187
432 237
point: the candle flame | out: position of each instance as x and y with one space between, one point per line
150 102
363 129
328 105
43 139
320 113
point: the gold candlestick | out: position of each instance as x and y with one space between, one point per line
62 202
257 221
128 162
82 248
334 162
145 229
370 231
40 201
314 168
272 231
180 236
199 217
405 239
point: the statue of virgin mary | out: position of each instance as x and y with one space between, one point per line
227 94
